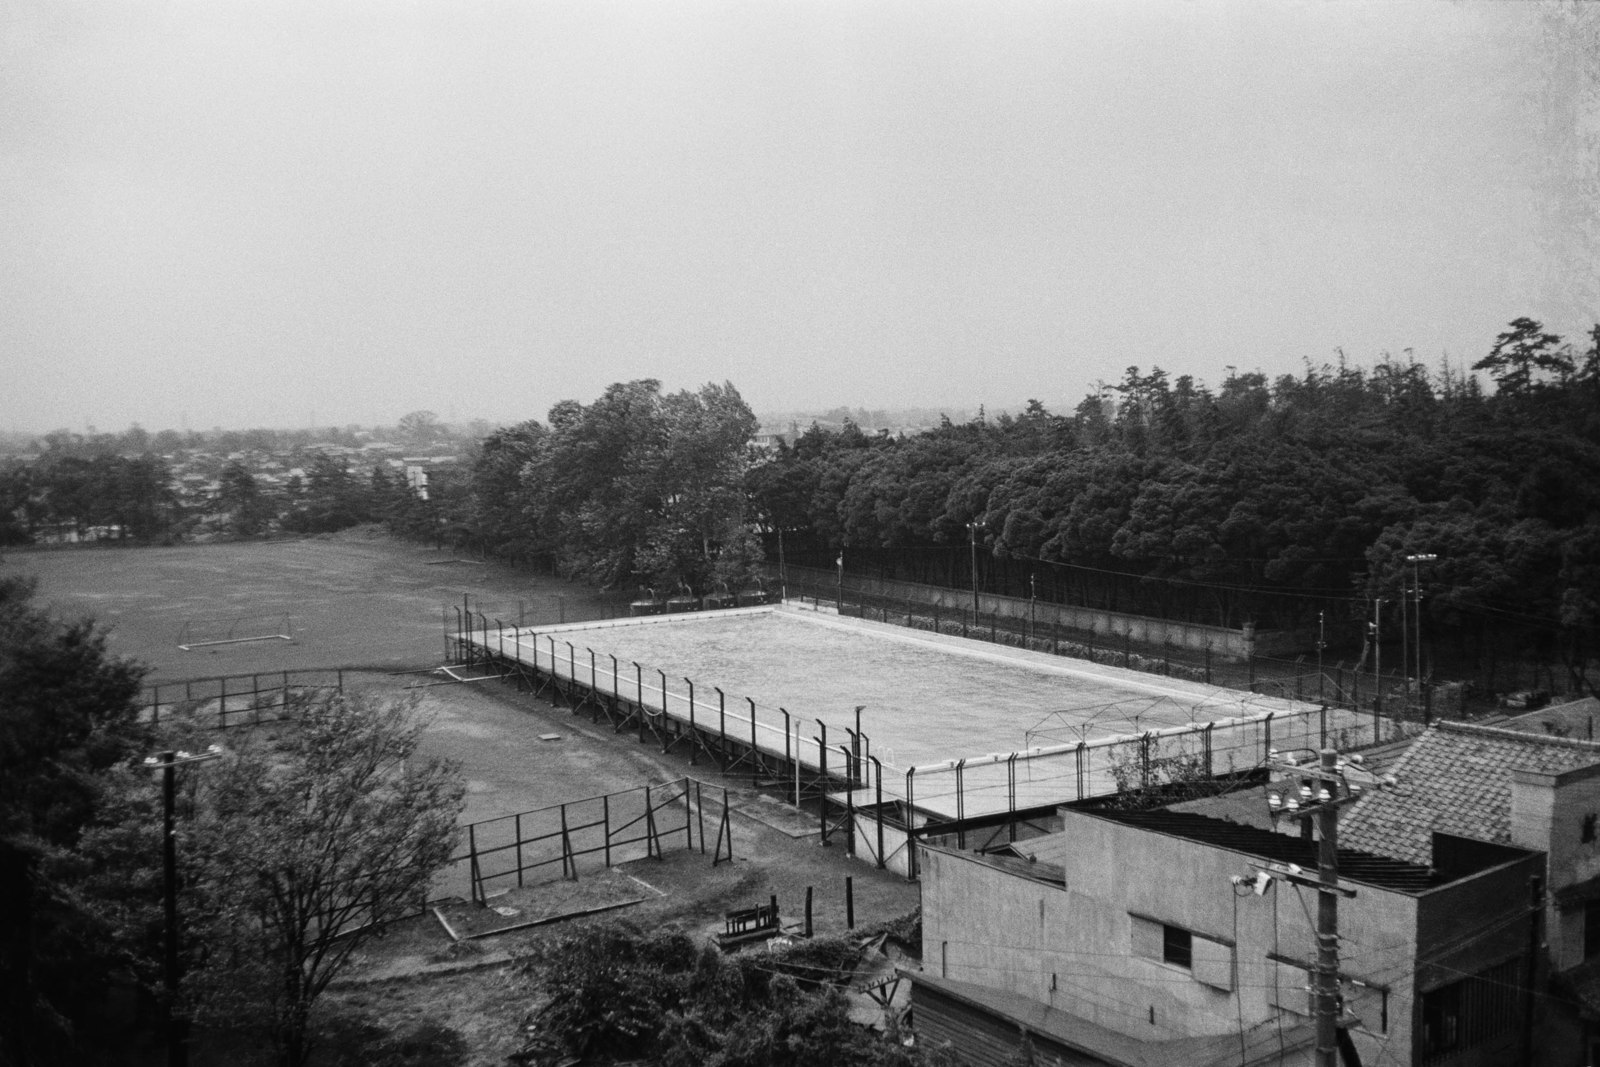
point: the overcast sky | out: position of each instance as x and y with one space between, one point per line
240 214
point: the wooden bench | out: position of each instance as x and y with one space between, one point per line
747 925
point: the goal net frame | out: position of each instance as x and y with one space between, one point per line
241 629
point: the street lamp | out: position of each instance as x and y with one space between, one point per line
972 537
171 970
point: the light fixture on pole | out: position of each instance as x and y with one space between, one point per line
972 538
1416 591
171 968
1375 628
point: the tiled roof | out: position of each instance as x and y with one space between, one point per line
1455 779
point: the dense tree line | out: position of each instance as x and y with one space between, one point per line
1283 502
636 488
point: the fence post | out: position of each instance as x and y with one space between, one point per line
755 751
568 860
694 736
638 681
472 852
605 818
849 902
665 718
911 843
822 798
808 911
519 850
722 728
650 850
878 776
849 809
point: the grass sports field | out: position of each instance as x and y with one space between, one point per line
351 601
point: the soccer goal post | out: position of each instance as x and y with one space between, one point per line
203 633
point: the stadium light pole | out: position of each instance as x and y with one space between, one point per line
171 965
972 538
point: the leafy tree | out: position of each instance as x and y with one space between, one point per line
300 843
420 429
615 992
68 713
333 497
1523 353
634 487
241 497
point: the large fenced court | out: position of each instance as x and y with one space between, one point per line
893 732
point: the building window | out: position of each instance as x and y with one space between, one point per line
1209 960
1177 946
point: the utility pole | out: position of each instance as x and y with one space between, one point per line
972 537
1416 590
839 603
171 960
1375 628
1033 600
1316 791
1405 644
783 573
1322 643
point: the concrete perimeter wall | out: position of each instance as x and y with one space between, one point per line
1232 644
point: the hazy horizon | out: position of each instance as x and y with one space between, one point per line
264 215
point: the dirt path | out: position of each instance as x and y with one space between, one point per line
417 973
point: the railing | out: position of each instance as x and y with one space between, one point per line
239 699
879 799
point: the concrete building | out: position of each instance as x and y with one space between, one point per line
1124 940
1519 783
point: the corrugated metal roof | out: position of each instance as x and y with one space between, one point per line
1455 779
